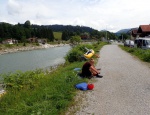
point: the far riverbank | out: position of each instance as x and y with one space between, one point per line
27 48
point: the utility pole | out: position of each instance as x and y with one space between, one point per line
106 32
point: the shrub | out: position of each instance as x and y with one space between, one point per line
146 56
76 54
20 80
131 50
73 55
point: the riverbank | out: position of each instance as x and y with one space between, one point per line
36 92
27 48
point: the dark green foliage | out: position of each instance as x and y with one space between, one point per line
26 30
65 35
74 55
27 24
45 33
5 30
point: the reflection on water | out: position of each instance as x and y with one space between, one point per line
31 60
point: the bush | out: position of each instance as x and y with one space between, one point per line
76 54
146 56
131 50
20 80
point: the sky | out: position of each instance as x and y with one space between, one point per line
111 15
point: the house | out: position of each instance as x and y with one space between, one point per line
144 30
32 40
84 36
10 41
134 33
42 41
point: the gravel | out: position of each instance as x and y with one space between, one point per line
124 89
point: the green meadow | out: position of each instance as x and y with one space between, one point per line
57 35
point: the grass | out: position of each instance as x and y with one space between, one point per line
142 54
57 35
19 45
41 92
34 92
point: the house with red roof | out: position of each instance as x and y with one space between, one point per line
142 31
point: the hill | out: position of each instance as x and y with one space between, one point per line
125 31
61 28
122 31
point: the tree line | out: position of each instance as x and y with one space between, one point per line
22 32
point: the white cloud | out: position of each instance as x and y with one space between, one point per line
112 15
13 7
78 21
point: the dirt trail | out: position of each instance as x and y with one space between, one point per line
124 89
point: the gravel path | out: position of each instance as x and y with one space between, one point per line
124 89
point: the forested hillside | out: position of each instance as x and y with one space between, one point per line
22 32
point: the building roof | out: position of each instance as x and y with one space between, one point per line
145 28
134 31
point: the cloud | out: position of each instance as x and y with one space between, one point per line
13 7
98 14
78 21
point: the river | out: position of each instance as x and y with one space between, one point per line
31 60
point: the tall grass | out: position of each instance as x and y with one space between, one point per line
36 92
40 92
140 53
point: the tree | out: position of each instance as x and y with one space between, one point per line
18 32
65 35
75 39
50 35
1 31
27 24
124 36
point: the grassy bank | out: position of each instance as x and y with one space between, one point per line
23 45
140 53
10 46
39 92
